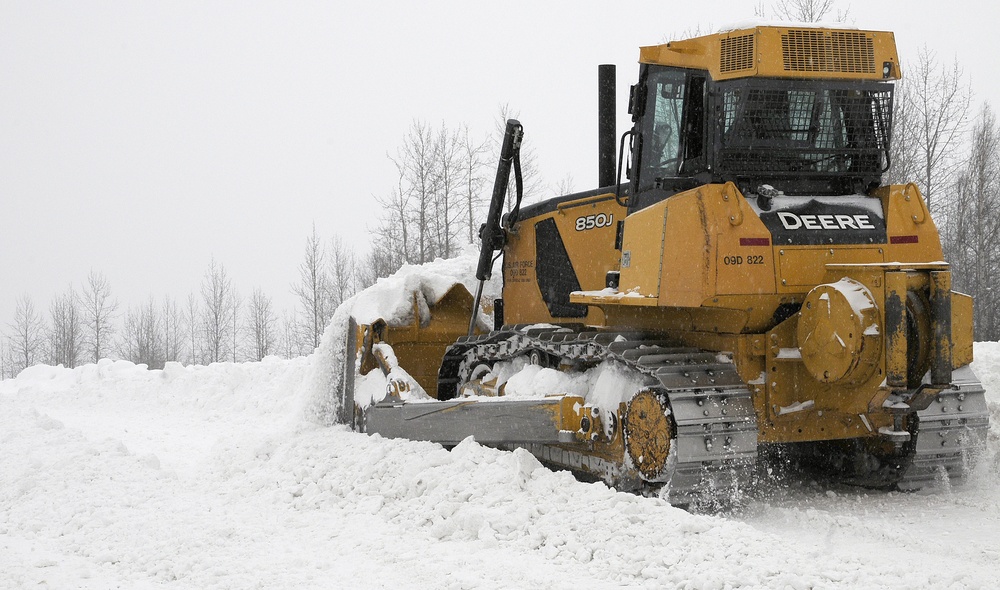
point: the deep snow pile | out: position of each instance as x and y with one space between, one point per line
987 368
207 477
112 476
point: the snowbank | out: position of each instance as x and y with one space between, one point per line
987 367
208 477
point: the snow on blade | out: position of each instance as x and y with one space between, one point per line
391 299
797 407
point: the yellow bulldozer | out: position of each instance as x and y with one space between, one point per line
751 287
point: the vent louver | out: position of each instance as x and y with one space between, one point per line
823 51
737 54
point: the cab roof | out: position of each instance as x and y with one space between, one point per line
783 52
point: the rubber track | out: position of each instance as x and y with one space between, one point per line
716 426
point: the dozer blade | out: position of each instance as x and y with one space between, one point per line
549 420
419 344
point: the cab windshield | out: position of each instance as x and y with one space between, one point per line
800 136
790 127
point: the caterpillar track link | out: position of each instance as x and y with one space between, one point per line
950 434
691 427
940 445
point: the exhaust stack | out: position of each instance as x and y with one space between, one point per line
606 125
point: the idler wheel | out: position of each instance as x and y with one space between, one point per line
648 432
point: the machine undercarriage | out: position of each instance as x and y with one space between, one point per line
688 431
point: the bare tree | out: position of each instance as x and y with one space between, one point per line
533 186
438 199
289 338
99 311
940 101
261 324
342 272
236 303
66 330
474 164
141 337
449 167
971 239
217 312
313 291
804 11
565 186
174 330
26 336
6 361
393 231
379 262
415 161
192 316
904 152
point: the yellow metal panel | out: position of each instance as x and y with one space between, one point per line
587 227
803 267
520 282
961 329
419 347
689 251
696 247
782 52
912 234
798 407
744 258
895 329
643 251
824 53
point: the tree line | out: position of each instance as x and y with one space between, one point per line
949 146
433 212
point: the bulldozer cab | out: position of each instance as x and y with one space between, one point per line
668 110
760 114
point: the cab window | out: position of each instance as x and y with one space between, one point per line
662 142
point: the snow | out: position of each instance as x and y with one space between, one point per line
603 387
609 292
392 298
798 407
789 353
857 295
395 299
785 202
210 477
753 23
229 476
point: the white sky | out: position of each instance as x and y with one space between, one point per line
143 138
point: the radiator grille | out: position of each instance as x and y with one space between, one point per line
828 51
737 54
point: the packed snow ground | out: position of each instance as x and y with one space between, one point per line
113 476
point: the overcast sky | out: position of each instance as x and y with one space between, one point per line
141 139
